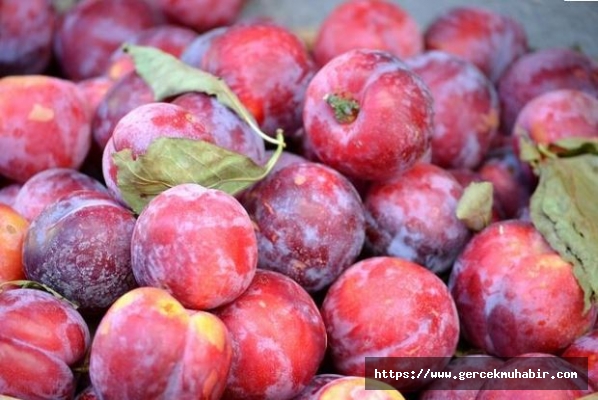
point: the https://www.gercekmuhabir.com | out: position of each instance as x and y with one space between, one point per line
473 372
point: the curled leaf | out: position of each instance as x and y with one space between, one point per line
574 146
474 208
172 161
565 211
168 76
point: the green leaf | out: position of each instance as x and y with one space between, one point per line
172 161
474 208
528 150
564 209
573 146
168 76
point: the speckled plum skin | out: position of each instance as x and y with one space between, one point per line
148 346
586 346
310 223
374 24
455 389
563 389
228 130
354 388
359 304
542 71
413 216
48 186
41 337
393 127
489 40
502 283
557 114
128 92
171 39
80 247
33 108
466 112
27 32
198 244
278 339
83 52
201 15
267 67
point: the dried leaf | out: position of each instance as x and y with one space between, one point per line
475 205
564 209
172 161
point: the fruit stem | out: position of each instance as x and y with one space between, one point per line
345 107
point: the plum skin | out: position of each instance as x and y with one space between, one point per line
390 124
198 244
387 288
81 247
502 282
310 223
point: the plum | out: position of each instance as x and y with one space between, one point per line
41 338
126 94
490 40
376 290
48 186
542 71
413 216
35 108
368 115
227 129
278 339
142 125
502 283
13 227
92 30
181 354
466 113
357 388
555 115
585 348
171 39
81 247
373 24
200 15
198 244
268 68
27 29
310 223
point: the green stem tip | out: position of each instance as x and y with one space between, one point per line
344 106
